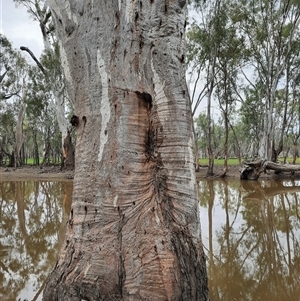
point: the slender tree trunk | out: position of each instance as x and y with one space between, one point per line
237 142
210 170
295 150
134 227
36 155
19 129
284 119
47 148
211 79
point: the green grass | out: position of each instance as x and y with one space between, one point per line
230 161
289 160
30 161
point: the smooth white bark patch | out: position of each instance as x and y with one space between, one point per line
160 95
67 8
157 218
129 10
115 201
60 116
65 65
104 105
87 269
189 159
55 7
71 16
120 1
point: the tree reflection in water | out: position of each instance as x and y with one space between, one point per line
251 232
33 215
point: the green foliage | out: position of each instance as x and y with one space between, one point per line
13 68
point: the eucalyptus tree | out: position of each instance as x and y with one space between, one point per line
270 29
288 98
204 41
42 113
7 134
230 57
216 55
294 110
39 11
251 116
217 135
20 136
134 228
13 88
201 134
12 69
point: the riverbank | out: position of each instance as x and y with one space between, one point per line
54 173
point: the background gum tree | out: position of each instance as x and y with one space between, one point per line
271 31
13 79
51 68
134 227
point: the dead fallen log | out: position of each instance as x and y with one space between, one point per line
252 170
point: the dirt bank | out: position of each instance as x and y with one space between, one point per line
35 173
54 173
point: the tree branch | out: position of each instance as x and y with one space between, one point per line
34 58
2 76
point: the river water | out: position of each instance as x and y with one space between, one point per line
250 232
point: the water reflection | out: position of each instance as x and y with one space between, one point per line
33 215
252 239
251 233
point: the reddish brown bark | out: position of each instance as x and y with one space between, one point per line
134 228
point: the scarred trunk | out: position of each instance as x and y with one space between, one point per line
134 227
68 157
68 153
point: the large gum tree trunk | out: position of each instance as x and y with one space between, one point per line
134 227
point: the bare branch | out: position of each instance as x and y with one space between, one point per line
34 58
2 76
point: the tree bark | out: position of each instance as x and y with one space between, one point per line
134 227
68 153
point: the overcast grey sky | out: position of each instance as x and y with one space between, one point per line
16 25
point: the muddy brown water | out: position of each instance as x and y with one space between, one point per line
250 232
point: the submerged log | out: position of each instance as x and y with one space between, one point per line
252 170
